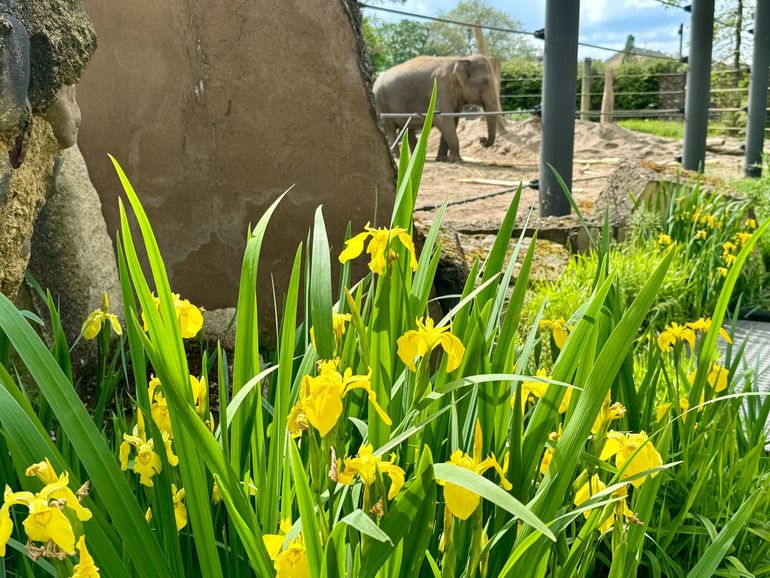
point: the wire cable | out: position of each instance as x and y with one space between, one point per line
496 29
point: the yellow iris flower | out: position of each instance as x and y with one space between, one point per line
547 458
147 462
292 562
44 472
532 389
93 323
366 465
46 521
180 511
159 404
662 410
321 397
559 330
378 247
420 342
608 413
593 486
273 542
85 568
674 334
717 377
189 317
664 240
703 324
460 502
623 446
338 328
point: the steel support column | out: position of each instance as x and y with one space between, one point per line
562 19
755 133
696 111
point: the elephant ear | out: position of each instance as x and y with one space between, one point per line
462 69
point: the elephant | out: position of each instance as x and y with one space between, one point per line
407 87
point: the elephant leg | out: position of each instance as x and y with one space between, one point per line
449 134
442 151
443 147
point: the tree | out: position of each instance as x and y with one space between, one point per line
453 39
628 50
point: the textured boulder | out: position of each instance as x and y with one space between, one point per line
72 252
62 40
213 115
45 47
22 194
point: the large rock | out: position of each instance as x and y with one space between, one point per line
44 48
62 41
22 194
214 109
72 253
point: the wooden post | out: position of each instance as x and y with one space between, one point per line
608 98
585 94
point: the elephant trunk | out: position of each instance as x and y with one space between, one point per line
491 104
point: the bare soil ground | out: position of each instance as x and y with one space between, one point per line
514 158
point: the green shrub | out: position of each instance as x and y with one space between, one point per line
377 442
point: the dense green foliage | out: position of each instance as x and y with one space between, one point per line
375 441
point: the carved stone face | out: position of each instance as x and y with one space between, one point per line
64 117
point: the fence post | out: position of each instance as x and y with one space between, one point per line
557 141
608 97
697 96
585 93
755 133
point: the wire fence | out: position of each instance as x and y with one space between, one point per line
723 105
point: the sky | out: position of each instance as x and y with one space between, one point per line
603 22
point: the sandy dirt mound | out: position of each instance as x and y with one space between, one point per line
522 141
515 157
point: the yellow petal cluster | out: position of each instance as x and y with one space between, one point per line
320 398
339 321
703 324
159 404
420 342
664 240
559 330
461 502
147 462
93 323
378 247
674 334
366 466
593 486
188 316
46 520
624 447
662 410
85 568
180 511
291 562
547 458
717 377
532 389
608 413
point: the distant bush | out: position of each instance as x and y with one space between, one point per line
522 84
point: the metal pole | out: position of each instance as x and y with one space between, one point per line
558 107
755 133
696 111
585 93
